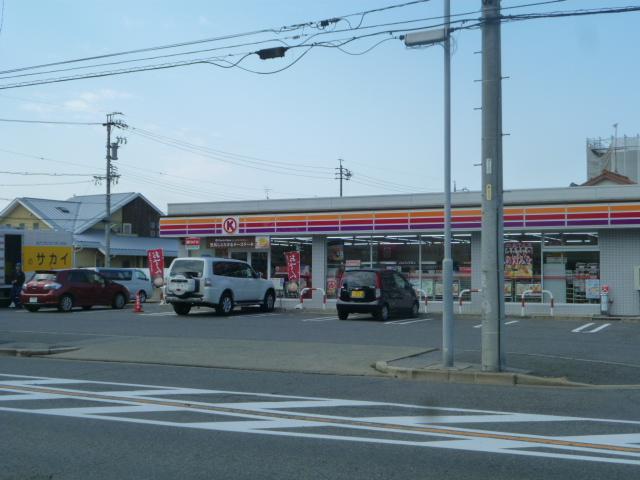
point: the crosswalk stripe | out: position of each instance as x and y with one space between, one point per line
579 329
601 327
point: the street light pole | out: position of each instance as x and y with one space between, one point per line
423 38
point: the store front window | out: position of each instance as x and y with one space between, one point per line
418 257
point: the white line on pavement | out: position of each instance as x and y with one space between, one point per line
601 327
579 329
407 322
512 322
320 319
478 326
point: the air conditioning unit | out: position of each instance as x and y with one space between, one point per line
126 229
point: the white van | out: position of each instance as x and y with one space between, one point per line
220 283
134 279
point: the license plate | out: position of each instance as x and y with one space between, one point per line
357 294
33 299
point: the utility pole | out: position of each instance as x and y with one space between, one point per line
111 176
447 261
343 173
492 242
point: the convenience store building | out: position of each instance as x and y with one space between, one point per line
570 241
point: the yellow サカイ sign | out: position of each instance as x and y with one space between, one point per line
46 258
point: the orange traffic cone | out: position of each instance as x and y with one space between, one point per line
138 306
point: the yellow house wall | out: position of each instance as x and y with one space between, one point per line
21 215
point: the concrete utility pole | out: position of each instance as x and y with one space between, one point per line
447 261
111 176
343 173
492 242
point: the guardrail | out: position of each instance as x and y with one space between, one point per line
532 292
469 291
307 289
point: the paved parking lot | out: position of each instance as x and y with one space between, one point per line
586 351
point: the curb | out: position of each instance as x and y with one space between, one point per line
474 377
31 352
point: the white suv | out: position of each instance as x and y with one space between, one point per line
220 283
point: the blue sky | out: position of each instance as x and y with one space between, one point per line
381 112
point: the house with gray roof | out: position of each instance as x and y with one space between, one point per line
134 224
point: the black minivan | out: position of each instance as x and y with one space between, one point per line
378 292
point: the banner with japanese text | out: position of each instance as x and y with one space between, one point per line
293 265
155 259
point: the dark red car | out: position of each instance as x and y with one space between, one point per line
66 289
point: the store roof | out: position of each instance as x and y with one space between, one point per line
586 194
128 246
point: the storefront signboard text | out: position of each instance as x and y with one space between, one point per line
46 258
192 243
155 260
518 259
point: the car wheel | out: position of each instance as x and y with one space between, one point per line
342 315
143 296
383 313
66 303
182 308
225 307
32 308
415 310
269 302
87 307
119 301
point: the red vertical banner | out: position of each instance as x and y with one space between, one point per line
293 265
155 260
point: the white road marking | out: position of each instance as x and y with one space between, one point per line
407 322
160 314
320 319
511 322
579 329
478 326
281 415
601 327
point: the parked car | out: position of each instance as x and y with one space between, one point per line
220 283
136 280
378 292
66 289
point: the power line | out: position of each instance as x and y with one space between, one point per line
49 174
16 120
43 184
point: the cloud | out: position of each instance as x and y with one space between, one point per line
91 102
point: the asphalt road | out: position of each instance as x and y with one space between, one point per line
585 351
158 422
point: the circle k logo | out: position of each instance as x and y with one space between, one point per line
230 225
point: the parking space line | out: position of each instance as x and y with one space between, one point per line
478 326
320 319
601 327
407 322
512 322
579 329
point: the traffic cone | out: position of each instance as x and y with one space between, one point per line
138 306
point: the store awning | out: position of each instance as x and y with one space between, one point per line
127 246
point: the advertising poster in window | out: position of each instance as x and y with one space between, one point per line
518 259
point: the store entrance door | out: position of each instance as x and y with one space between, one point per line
259 260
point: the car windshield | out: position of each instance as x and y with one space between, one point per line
359 279
188 268
41 277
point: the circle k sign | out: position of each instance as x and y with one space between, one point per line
230 225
